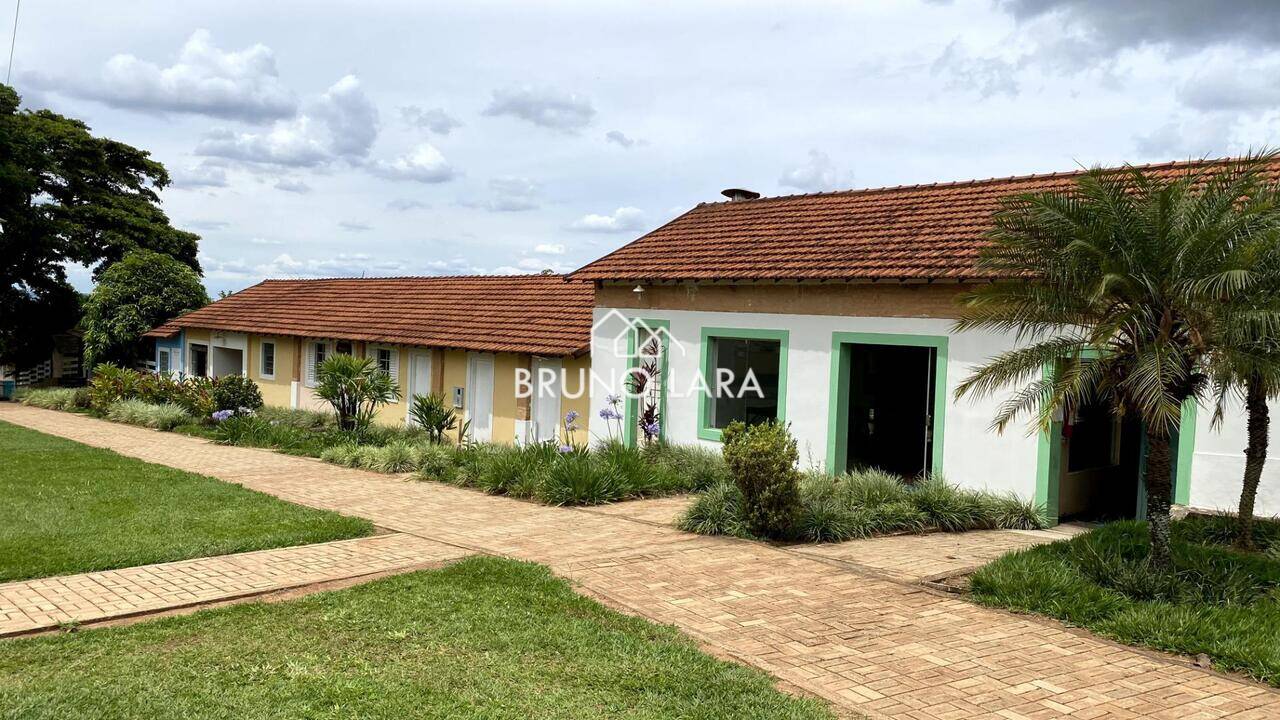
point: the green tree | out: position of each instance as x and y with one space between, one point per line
1117 283
134 295
1247 365
355 388
68 197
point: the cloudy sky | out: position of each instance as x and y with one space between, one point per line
326 138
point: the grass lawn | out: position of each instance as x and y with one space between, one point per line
484 638
1218 601
70 508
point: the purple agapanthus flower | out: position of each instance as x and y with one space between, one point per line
613 399
610 414
565 449
652 429
223 415
571 416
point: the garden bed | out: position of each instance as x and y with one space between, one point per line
1217 600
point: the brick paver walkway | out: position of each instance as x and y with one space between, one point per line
46 603
862 640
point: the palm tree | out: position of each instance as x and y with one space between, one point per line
1116 283
355 388
1247 365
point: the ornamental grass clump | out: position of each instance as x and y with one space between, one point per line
166 416
57 398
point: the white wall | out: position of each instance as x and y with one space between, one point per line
972 456
1217 467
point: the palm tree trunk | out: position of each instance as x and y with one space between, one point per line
1159 496
1255 456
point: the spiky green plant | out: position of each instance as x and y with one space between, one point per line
1115 283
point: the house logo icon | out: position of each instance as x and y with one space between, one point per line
616 333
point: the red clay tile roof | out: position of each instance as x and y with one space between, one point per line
538 314
917 232
166 330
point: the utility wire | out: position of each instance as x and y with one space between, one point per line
13 42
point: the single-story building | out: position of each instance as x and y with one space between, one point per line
466 338
841 307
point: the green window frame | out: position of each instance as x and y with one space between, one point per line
631 407
705 431
1049 457
838 405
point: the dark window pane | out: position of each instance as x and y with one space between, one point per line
268 358
733 396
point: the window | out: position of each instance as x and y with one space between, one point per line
745 371
343 347
165 364
384 360
268 369
316 353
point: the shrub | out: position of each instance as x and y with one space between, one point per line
873 487
576 479
355 388
762 461
717 511
299 419
56 398
434 415
697 468
342 454
436 462
136 412
236 392
950 508
111 384
397 457
246 430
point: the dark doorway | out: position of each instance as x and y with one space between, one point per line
891 401
1102 465
199 360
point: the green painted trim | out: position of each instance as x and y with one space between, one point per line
838 402
705 432
631 409
1186 451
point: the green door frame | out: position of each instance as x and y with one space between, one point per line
705 431
838 404
1049 460
631 409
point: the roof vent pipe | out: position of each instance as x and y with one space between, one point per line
736 194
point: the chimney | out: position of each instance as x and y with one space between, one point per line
736 194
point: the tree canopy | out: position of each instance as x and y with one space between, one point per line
132 296
67 196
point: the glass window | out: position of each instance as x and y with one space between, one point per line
343 347
320 351
165 363
268 359
743 379
384 360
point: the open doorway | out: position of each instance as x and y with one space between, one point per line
199 365
888 405
227 361
1101 467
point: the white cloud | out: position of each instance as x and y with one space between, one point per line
208 224
423 163
619 138
203 175
1232 81
435 120
987 76
624 219
354 226
264 241
340 265
341 124
549 248
545 107
511 194
293 185
406 204
1189 136
205 80
816 174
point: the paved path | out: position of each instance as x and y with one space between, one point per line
885 648
46 603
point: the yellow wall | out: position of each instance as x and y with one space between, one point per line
505 410
277 392
575 368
